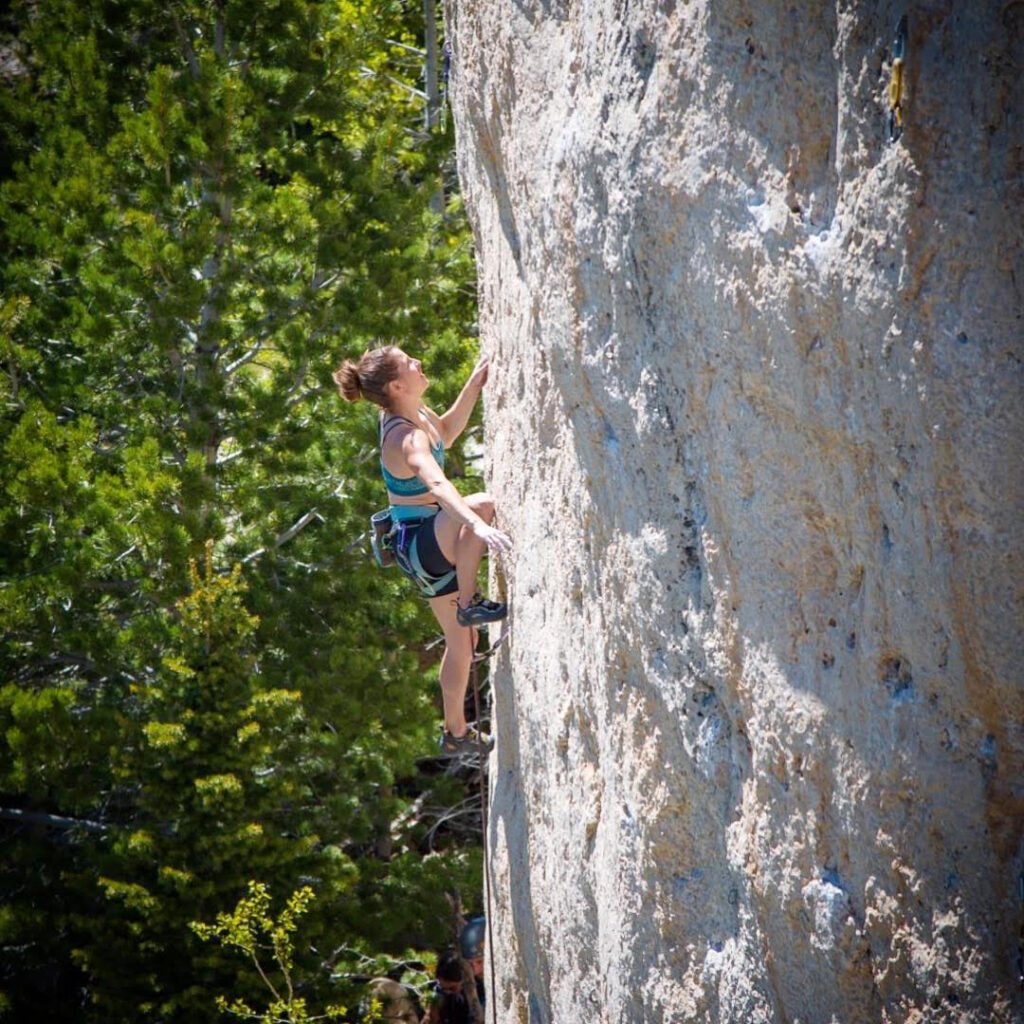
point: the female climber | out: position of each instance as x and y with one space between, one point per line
443 535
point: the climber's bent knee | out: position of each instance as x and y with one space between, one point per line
482 504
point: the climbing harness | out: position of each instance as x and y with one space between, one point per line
408 560
381 527
393 539
899 46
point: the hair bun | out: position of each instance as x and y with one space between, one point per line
349 383
369 378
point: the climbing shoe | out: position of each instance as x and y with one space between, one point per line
469 742
480 610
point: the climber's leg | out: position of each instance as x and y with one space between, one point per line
462 547
455 662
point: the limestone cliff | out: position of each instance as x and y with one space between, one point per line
754 422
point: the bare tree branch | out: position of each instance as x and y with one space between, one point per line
190 53
248 357
49 820
300 524
370 73
405 46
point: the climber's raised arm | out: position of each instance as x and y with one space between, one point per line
454 421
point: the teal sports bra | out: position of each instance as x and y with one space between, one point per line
405 486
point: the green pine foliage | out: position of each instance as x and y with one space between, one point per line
206 682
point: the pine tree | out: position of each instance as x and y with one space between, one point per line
203 207
216 755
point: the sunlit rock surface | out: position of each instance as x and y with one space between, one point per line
754 422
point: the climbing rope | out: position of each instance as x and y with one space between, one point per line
493 994
479 656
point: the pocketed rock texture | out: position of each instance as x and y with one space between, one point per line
754 423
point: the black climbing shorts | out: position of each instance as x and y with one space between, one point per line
429 553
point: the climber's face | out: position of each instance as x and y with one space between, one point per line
410 374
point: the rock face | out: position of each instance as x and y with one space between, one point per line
754 422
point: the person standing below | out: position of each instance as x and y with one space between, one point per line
471 947
452 1001
443 535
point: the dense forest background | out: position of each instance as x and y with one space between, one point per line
206 681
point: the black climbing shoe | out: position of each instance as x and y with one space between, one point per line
470 742
480 610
